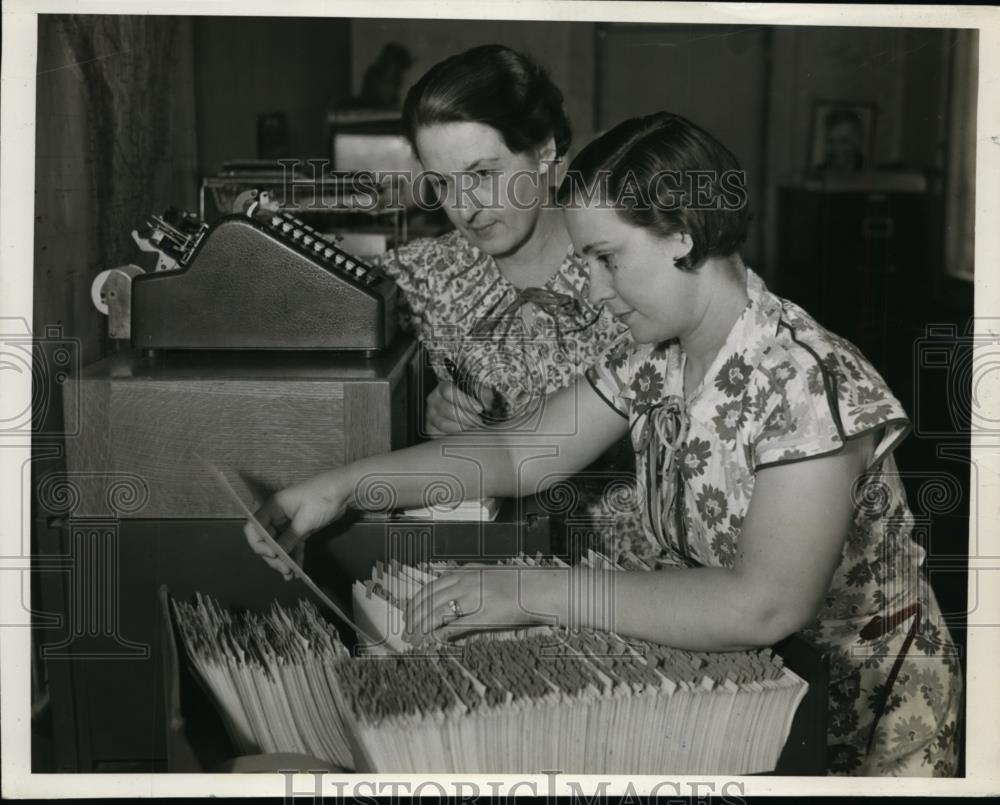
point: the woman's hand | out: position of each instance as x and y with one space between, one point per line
297 511
484 597
449 410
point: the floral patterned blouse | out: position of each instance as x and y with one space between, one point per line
478 327
783 389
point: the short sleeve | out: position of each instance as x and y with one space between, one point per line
410 266
609 374
803 406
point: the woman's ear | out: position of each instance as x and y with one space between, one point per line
685 242
547 156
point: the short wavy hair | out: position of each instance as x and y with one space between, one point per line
707 198
495 86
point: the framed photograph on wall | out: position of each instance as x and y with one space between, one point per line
841 136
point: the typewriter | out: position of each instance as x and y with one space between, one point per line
257 280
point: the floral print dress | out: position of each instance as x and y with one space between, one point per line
521 345
783 389
481 331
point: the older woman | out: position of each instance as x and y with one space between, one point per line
501 302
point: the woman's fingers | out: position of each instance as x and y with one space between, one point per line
432 429
296 533
457 628
450 410
422 617
448 627
294 513
438 425
271 517
462 402
255 541
262 549
265 551
434 591
487 401
428 607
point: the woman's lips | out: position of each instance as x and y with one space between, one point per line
479 230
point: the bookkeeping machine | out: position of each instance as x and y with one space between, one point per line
264 348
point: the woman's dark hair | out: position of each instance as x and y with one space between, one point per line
665 174
495 86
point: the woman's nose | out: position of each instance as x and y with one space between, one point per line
467 209
600 286
466 201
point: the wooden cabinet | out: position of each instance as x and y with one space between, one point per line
268 420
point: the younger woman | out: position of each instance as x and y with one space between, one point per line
763 447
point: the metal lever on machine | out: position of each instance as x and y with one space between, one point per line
251 201
111 293
172 237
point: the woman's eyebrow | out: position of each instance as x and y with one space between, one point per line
480 162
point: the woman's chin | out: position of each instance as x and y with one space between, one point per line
495 244
642 333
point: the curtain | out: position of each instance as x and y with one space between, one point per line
115 142
960 180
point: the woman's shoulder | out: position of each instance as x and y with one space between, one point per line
430 264
450 247
804 359
804 342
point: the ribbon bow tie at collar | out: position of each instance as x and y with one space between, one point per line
556 304
664 430
668 421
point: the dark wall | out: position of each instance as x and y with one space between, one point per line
716 76
565 49
755 87
131 133
246 66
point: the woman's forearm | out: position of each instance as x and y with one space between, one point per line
575 427
440 471
702 609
